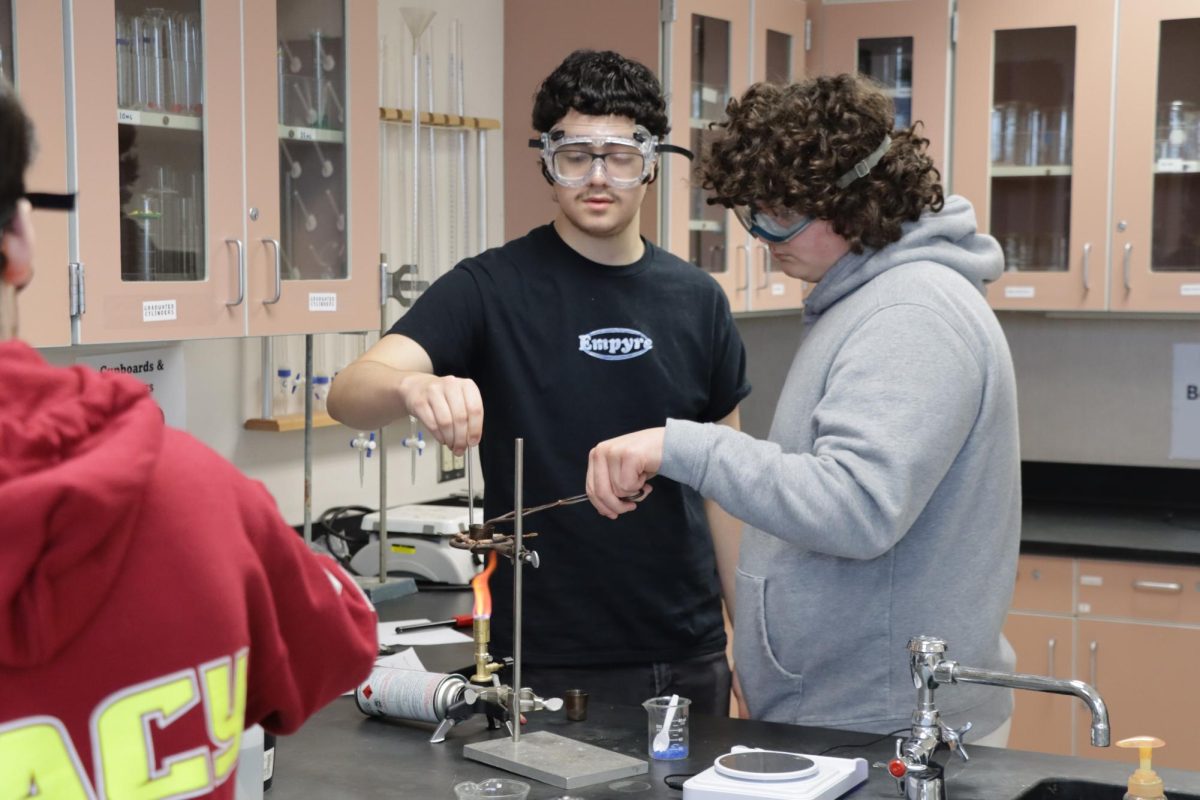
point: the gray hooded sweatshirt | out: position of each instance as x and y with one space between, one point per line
885 502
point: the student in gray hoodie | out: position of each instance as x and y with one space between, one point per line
885 502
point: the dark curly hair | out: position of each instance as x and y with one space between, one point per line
598 83
784 148
16 151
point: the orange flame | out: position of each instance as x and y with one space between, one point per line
479 585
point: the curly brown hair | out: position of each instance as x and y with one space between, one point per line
783 148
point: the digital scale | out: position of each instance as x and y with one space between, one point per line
419 544
746 772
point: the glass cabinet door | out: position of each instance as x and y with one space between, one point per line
158 162
160 141
1156 201
307 122
1029 76
311 77
709 65
1030 135
901 44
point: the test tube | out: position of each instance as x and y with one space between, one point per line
337 212
333 96
310 219
294 168
326 164
126 63
155 34
318 59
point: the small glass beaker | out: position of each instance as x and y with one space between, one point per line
492 789
575 701
667 727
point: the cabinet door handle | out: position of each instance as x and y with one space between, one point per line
1162 587
1093 657
278 272
1050 656
241 248
745 251
1125 265
766 272
1087 258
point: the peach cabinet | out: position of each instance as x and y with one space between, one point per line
717 49
902 44
37 74
218 140
1077 137
1132 630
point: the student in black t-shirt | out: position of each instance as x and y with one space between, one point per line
572 334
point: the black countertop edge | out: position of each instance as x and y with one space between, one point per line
1149 534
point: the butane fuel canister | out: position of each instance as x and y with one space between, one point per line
409 694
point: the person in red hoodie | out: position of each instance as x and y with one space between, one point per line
153 602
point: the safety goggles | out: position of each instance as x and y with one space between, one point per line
769 229
47 201
624 161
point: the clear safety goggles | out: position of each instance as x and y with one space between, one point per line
624 161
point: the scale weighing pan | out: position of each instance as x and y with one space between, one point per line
746 772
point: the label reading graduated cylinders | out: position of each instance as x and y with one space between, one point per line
158 311
322 301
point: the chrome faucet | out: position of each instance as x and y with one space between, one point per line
916 774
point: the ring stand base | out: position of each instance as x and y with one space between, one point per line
556 760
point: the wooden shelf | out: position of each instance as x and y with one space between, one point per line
289 422
437 119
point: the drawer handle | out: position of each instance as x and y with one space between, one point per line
1093 657
1162 587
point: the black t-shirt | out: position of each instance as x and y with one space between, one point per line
567 353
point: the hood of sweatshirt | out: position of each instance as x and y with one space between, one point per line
77 449
948 237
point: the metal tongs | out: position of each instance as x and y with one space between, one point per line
478 538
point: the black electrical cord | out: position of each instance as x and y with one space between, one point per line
326 522
863 744
676 780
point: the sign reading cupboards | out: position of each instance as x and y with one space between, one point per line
1036 130
223 191
717 49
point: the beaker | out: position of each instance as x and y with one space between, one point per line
667 727
1057 146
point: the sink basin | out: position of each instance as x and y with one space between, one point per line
1064 789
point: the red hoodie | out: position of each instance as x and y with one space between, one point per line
152 600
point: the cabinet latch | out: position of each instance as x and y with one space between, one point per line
77 289
807 35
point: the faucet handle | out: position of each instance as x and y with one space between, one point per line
953 738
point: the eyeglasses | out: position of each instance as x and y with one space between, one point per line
769 229
620 166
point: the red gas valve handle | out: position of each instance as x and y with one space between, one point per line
896 768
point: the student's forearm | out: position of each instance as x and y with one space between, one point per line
367 395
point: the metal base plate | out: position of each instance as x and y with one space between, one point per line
555 760
388 590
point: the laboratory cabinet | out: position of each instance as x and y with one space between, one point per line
717 49
902 45
224 157
37 73
1132 630
1077 137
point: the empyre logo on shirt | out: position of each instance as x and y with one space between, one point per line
615 344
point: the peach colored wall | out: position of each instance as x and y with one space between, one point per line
538 36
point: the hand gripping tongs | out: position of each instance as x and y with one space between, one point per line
481 538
